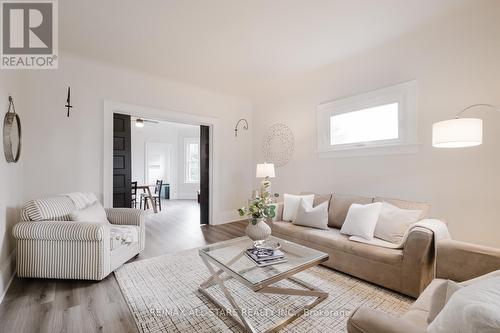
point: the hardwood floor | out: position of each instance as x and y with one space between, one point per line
42 305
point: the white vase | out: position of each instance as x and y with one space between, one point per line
259 231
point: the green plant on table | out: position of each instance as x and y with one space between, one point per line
258 208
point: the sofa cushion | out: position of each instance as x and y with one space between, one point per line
403 204
339 206
56 208
333 239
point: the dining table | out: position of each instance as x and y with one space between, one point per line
147 191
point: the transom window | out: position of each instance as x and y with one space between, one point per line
380 121
372 124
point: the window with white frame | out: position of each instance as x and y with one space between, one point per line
380 121
192 160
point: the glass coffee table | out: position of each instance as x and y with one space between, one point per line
229 257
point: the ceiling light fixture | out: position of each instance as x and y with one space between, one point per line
139 122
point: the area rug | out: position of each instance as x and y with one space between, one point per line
162 295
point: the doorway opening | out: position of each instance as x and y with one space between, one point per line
159 164
168 154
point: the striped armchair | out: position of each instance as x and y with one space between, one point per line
49 245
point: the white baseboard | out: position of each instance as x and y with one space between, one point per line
7 273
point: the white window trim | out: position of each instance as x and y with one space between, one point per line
405 94
187 141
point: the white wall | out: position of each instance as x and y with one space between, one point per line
66 154
174 135
11 180
456 63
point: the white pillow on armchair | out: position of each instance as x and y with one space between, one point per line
473 308
94 213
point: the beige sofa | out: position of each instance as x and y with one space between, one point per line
456 261
408 270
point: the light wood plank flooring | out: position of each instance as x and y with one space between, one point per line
41 305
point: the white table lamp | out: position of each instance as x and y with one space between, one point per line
459 132
266 171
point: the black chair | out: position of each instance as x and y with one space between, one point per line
133 203
155 195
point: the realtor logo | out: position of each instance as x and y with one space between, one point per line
29 34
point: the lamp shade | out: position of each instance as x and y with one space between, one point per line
456 133
265 170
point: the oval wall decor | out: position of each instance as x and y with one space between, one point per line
11 134
278 145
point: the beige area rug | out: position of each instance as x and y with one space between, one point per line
162 296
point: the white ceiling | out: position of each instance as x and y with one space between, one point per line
236 45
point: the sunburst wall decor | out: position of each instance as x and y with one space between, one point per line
278 145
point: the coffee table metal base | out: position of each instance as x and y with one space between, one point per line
241 319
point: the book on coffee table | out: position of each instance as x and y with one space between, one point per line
266 257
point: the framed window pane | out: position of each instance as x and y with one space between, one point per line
193 171
371 124
192 162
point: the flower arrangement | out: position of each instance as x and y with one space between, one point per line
259 208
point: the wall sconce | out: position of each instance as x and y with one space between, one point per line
139 122
245 126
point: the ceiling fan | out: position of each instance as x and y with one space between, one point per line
139 122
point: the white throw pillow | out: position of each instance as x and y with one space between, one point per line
291 204
473 308
361 220
94 213
393 222
308 216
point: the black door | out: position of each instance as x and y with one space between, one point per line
204 173
122 171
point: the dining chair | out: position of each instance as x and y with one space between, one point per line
156 196
133 202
